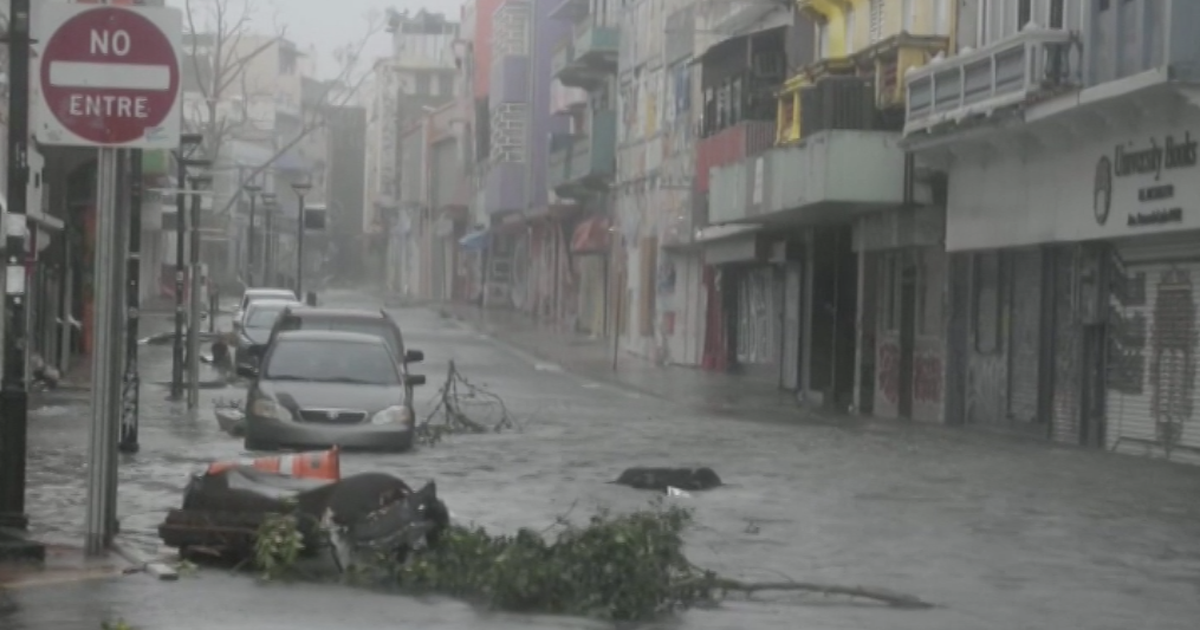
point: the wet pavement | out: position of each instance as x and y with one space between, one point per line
1002 533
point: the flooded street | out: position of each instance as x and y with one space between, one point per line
1000 533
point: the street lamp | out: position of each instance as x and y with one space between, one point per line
301 188
251 266
270 205
199 183
189 144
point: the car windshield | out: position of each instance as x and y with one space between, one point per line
263 315
274 295
331 361
378 328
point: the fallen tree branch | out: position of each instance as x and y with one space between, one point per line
725 585
448 416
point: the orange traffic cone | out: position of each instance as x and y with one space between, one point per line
314 465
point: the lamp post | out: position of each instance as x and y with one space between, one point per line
189 143
199 183
251 263
301 188
270 204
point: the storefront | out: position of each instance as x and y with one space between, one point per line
901 329
1073 286
746 297
591 242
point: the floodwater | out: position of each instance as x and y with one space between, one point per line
999 533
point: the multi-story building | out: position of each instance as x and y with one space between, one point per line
581 168
832 285
1065 132
422 72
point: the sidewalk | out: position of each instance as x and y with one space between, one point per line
593 358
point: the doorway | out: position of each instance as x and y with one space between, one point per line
908 324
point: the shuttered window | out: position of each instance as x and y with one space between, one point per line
876 31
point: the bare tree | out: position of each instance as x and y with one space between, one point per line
222 49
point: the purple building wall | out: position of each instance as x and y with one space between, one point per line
549 33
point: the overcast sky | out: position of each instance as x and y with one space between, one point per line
328 24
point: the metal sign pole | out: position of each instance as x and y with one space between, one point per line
131 385
180 245
102 451
14 394
193 330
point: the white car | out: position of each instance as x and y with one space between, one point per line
261 293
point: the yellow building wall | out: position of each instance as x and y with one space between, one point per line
924 22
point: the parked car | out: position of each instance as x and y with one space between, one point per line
372 322
254 332
261 293
324 388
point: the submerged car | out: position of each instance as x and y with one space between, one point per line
261 293
323 388
255 332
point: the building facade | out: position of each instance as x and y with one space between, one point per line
1072 237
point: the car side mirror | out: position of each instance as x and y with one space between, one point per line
413 380
247 371
413 356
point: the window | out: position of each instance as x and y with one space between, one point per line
986 303
941 17
1024 13
983 24
876 28
822 40
722 107
735 101
263 316
333 362
1057 14
907 15
850 26
423 81
710 111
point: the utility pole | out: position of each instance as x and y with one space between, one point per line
193 332
300 188
131 385
270 205
188 144
14 393
251 261
180 245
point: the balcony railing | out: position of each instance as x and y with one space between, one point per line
558 163
597 45
561 61
1006 73
593 158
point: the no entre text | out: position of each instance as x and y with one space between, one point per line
109 106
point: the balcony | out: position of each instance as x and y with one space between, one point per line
558 164
589 161
830 177
561 61
570 10
592 56
729 145
1033 64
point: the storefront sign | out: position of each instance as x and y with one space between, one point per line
1144 180
1169 154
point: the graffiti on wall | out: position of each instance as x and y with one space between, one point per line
888 372
1173 355
1127 328
926 375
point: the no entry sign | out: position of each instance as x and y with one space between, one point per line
109 76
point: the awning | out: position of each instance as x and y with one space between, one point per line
474 241
592 236
752 20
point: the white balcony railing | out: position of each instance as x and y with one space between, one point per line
1005 73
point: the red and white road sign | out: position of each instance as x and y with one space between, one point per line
109 76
